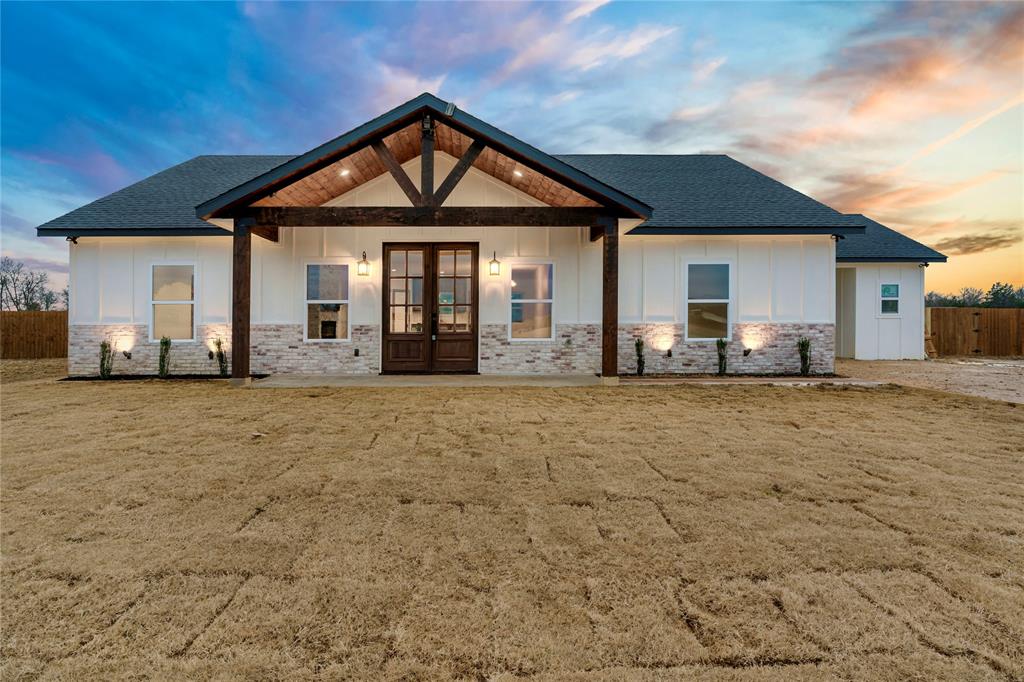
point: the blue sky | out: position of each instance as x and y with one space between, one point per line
911 113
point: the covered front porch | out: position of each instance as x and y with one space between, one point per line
309 193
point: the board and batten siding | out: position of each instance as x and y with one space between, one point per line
875 336
779 279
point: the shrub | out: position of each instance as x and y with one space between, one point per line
165 357
638 344
222 358
106 359
723 359
804 346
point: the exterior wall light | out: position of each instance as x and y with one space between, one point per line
127 354
668 353
494 267
363 266
746 351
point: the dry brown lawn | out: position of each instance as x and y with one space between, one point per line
185 530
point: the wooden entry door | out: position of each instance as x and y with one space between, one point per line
430 308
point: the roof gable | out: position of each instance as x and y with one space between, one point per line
879 244
316 170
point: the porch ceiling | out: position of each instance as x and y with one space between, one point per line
363 165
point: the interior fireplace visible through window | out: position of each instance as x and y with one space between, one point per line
326 301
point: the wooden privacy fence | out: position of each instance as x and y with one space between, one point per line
976 331
33 334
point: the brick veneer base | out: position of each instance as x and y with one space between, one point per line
576 349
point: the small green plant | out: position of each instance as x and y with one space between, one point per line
804 346
638 345
106 359
165 357
722 345
222 357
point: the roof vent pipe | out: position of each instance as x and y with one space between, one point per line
449 109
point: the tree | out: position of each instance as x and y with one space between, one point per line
24 289
934 299
1003 295
971 297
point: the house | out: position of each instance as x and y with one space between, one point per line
427 240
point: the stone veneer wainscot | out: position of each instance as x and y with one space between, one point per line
576 349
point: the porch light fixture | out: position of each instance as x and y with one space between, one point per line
494 267
363 266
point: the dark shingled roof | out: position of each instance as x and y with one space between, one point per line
708 194
164 203
879 243
694 194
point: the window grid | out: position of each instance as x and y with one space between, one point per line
889 295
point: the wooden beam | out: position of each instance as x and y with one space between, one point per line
241 302
422 216
610 299
460 170
596 232
268 232
427 161
397 172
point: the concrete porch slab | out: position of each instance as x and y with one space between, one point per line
439 380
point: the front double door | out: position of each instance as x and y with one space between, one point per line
431 299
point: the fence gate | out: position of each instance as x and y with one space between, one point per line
977 331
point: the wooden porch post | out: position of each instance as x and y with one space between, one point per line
241 302
610 300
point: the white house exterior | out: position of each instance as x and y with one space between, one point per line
495 299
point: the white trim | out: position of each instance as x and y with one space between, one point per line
508 288
730 302
347 302
194 264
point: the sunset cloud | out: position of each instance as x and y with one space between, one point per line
979 243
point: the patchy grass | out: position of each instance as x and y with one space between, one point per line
191 530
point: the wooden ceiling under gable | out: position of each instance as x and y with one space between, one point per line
364 165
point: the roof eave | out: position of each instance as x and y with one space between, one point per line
211 231
746 230
892 259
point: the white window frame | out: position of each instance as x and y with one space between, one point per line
194 302
348 263
729 302
531 261
897 298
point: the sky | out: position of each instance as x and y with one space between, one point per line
911 113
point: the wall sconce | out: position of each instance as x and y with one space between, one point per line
494 267
127 354
746 351
363 266
668 353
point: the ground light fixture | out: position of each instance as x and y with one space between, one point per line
494 267
363 266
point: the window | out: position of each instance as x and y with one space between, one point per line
890 299
326 302
707 305
405 303
531 300
455 290
173 302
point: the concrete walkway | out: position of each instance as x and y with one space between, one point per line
439 380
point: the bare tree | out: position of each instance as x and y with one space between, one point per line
24 289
